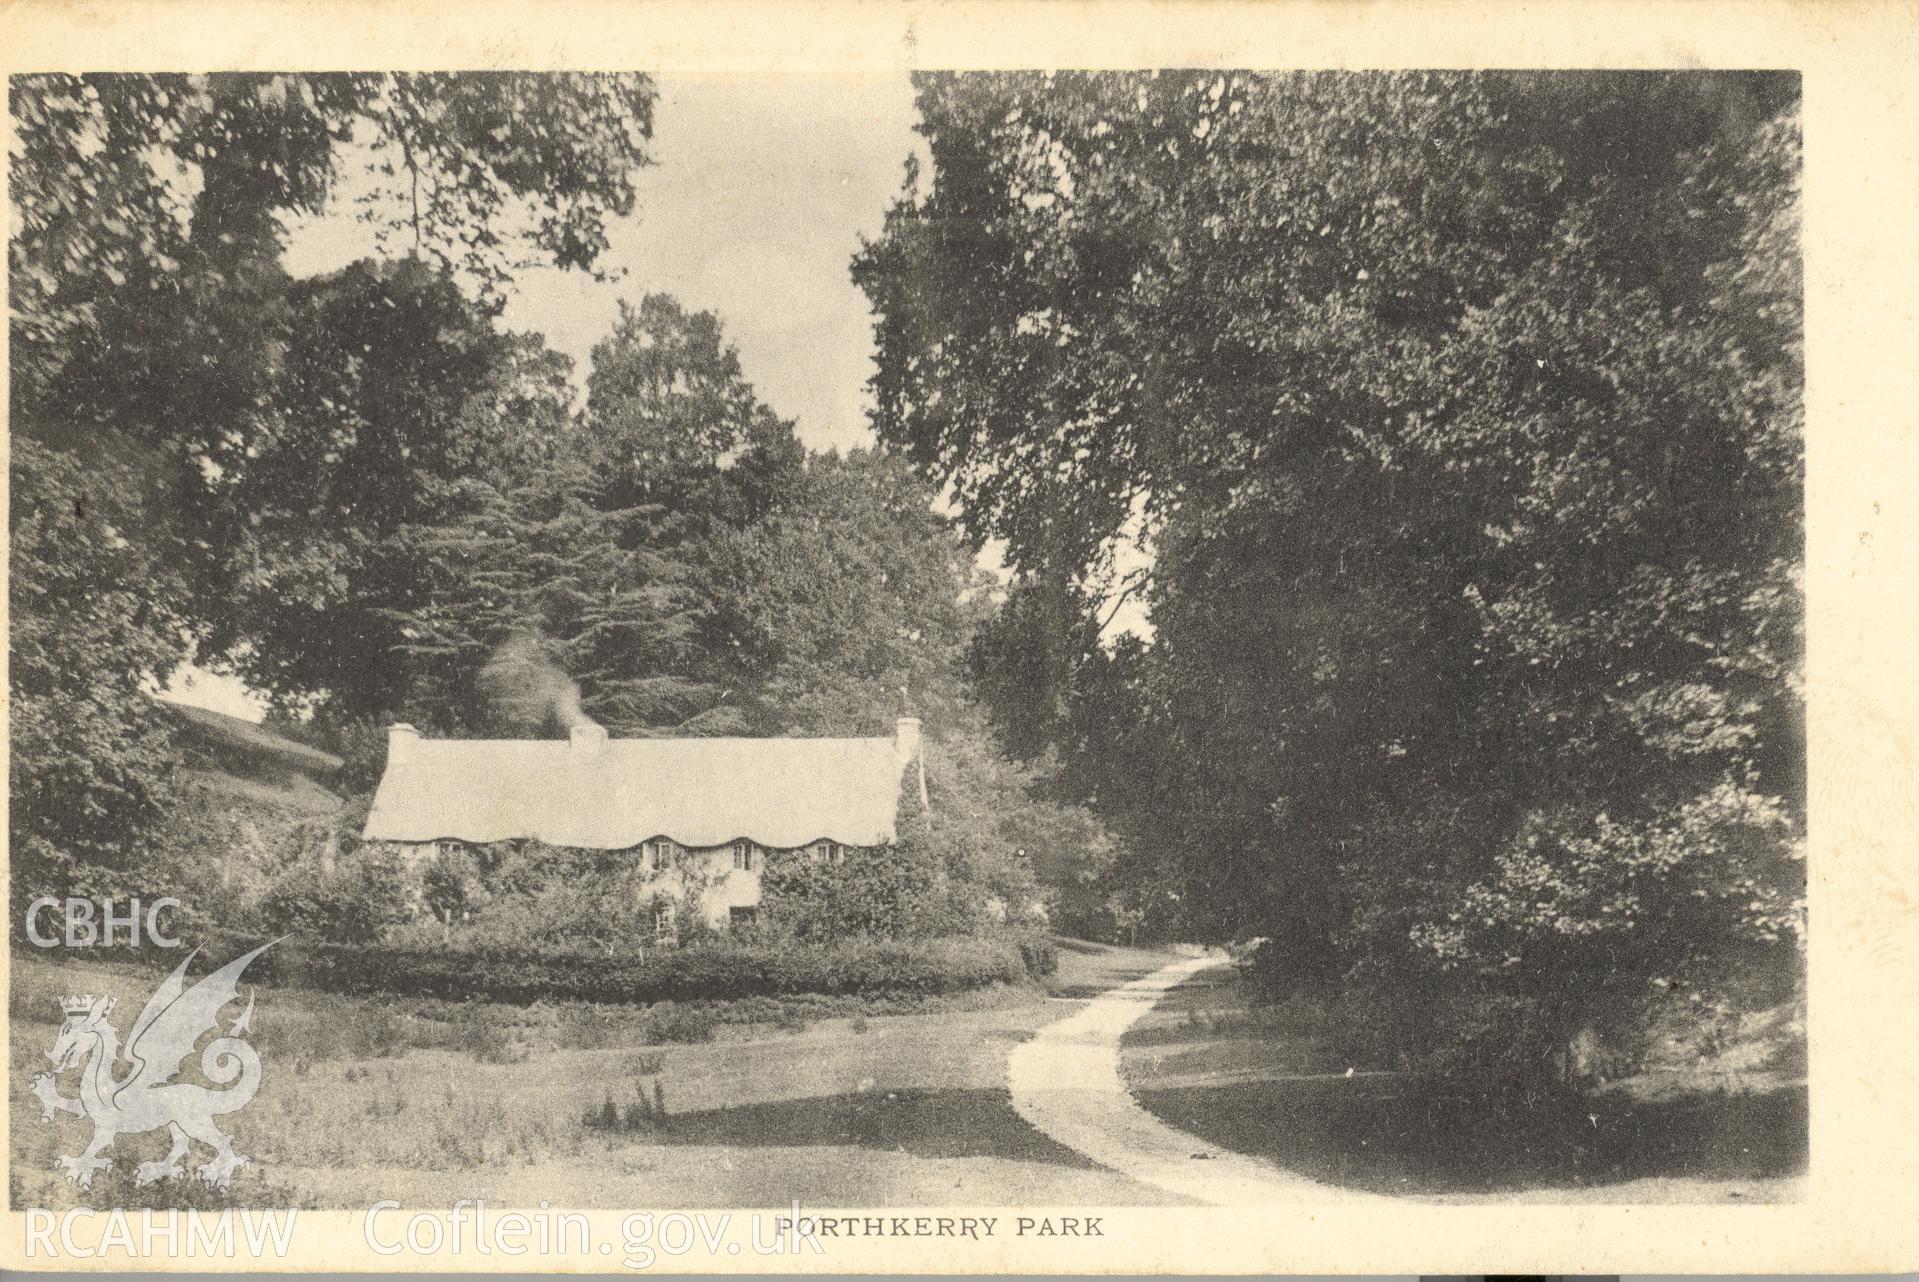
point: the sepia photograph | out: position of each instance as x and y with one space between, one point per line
947 656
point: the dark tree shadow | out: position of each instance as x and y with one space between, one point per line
1390 1136
924 1123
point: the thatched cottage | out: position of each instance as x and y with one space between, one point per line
700 815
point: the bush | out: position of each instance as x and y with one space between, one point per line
349 903
888 892
671 1022
1039 953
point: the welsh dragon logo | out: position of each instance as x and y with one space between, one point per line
146 1098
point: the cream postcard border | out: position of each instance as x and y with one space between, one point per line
1861 246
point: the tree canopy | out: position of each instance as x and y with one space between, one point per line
1459 418
203 448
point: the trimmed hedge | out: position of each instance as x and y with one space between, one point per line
719 971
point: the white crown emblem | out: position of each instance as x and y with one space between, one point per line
82 1005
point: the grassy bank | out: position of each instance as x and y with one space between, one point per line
865 1100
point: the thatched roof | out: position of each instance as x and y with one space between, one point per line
618 793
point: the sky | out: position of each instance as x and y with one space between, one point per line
753 209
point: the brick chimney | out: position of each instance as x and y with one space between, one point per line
907 750
400 738
587 737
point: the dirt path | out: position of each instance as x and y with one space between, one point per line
1066 1082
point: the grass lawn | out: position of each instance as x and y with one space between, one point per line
1261 1081
426 1102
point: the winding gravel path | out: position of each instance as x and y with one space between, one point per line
1066 1081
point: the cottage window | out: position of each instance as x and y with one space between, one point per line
743 856
656 855
663 916
831 852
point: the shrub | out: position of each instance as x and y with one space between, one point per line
671 1022
957 868
492 1043
891 891
1039 953
349 903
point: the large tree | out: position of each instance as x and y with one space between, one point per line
397 404
563 579
150 333
671 419
849 600
541 602
90 614
1459 415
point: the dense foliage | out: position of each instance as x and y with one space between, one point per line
203 448
89 612
360 495
1455 420
955 866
